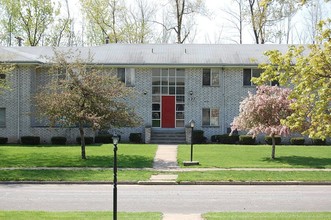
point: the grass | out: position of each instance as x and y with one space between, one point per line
268 216
40 215
233 175
73 175
257 156
129 156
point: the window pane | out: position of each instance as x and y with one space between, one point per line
206 77
180 72
214 117
121 74
247 77
155 90
156 98
172 81
156 123
156 115
180 90
275 83
156 81
180 81
172 72
179 123
2 117
180 107
215 81
165 90
257 72
2 76
156 107
130 76
156 72
180 115
164 80
206 116
180 99
172 90
165 72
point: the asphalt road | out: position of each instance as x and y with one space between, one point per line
166 199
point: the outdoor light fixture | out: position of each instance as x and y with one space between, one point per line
191 92
191 162
115 142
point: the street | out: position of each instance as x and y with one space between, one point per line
166 199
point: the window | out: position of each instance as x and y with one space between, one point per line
210 116
2 117
127 76
210 77
249 74
2 76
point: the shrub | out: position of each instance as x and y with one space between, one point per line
59 140
268 140
318 141
225 139
198 137
30 140
88 140
247 139
3 140
135 138
104 138
297 141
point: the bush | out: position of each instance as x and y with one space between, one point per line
318 141
225 139
30 140
135 138
198 137
247 139
88 140
104 138
268 140
297 141
58 140
3 140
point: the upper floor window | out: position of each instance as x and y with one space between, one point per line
2 117
126 75
250 73
210 77
2 76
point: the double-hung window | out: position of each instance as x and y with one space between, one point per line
210 77
2 117
210 117
127 76
249 74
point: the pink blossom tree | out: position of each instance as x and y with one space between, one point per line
263 112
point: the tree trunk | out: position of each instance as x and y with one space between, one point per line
273 147
82 140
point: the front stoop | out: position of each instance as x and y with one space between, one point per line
167 216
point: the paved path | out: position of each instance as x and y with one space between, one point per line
166 157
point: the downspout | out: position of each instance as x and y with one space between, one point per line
223 101
18 105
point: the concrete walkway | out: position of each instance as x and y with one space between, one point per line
166 157
182 217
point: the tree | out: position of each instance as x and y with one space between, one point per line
308 71
263 112
7 21
5 69
83 95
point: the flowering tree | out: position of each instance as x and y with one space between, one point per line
84 95
263 112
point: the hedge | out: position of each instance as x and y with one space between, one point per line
225 139
88 140
317 141
30 140
135 138
104 138
3 140
297 141
59 140
268 140
198 137
247 140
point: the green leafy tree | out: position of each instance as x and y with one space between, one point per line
5 70
306 69
84 95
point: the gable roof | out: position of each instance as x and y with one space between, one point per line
151 54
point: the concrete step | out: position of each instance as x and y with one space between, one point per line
168 137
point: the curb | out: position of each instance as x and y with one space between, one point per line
167 183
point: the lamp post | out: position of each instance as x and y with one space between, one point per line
192 124
115 142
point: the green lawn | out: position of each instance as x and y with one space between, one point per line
129 156
233 175
39 215
268 216
74 175
257 156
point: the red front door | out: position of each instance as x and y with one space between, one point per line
168 111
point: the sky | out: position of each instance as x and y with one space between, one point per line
215 28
